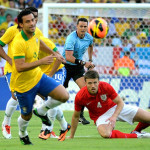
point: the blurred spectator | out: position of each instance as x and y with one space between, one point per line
108 41
131 31
62 1
58 30
21 4
9 22
144 27
126 44
67 19
140 1
35 3
3 15
4 3
121 26
72 25
116 41
134 38
12 4
143 40
86 1
61 26
99 1
71 1
2 31
112 28
124 65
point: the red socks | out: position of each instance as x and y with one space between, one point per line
118 134
141 126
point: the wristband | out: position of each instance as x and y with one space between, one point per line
79 62
90 60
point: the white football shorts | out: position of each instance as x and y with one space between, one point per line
126 115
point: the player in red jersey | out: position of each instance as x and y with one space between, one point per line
105 108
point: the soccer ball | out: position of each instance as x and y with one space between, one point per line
98 28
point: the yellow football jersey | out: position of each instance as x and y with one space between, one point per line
28 49
7 38
47 68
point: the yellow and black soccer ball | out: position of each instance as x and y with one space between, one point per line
98 28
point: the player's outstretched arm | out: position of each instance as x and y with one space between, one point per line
74 123
5 56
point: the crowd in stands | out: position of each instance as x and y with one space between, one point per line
126 34
21 4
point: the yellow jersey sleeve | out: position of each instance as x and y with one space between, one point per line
47 68
7 38
8 35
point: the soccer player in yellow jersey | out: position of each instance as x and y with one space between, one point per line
27 79
57 71
7 38
12 103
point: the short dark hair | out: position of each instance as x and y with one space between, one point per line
33 9
8 15
82 19
127 53
23 13
91 74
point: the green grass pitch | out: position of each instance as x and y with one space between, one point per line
86 138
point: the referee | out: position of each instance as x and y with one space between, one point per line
76 45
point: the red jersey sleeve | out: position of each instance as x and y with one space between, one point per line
77 104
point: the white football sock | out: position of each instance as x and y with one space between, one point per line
52 116
10 108
49 104
60 117
23 124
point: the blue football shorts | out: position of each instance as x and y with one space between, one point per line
60 75
44 87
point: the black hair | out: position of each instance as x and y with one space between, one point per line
23 13
8 15
127 53
82 19
91 74
33 9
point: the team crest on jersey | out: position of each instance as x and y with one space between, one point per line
103 97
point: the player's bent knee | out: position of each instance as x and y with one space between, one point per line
104 132
26 117
104 135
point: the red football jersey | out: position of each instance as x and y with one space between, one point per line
96 104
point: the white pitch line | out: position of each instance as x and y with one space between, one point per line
53 138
